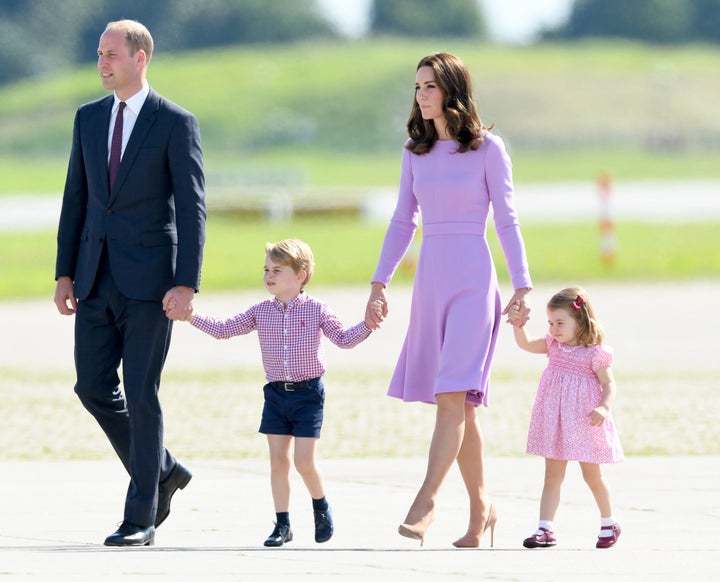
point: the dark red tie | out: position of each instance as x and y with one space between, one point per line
116 145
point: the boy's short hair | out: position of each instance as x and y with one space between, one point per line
293 253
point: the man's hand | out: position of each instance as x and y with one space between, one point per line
65 299
178 302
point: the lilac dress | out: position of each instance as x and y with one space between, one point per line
455 311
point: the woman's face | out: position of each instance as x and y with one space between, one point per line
428 95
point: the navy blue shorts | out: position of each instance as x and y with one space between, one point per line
295 409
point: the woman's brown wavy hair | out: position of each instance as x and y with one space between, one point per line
463 120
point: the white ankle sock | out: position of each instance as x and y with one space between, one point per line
605 521
546 524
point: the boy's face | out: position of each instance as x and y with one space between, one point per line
281 281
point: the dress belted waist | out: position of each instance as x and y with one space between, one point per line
441 228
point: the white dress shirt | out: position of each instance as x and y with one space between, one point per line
130 115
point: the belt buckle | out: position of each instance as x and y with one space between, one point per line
288 386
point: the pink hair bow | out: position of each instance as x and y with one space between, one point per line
578 302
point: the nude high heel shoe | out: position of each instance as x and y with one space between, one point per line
417 530
471 541
412 532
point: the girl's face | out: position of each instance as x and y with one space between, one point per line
429 96
562 326
281 281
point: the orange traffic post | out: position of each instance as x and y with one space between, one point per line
608 238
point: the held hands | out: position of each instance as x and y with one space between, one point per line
377 307
376 311
518 309
178 303
515 317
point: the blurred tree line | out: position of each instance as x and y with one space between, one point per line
447 18
41 36
657 21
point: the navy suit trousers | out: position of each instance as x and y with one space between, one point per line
110 330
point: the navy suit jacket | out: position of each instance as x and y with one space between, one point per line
153 221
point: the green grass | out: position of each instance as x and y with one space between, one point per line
30 175
312 169
327 117
315 170
646 251
318 114
346 252
323 117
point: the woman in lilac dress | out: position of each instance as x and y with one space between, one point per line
453 171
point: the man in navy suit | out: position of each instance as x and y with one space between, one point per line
128 262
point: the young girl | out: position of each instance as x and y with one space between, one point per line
571 418
289 328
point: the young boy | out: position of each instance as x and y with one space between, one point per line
289 326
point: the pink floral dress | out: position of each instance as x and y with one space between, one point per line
569 390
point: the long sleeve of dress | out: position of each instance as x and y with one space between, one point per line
498 175
402 226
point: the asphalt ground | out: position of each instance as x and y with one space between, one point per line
54 515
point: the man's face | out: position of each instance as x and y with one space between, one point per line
119 71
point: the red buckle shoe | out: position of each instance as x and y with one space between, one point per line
544 540
609 541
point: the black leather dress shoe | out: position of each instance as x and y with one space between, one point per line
178 479
279 536
323 525
129 534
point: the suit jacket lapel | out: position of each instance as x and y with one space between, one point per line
101 146
144 122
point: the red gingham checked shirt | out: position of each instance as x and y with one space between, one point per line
289 337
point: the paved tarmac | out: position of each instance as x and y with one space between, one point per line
55 515
652 327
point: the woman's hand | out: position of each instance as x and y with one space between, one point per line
515 317
377 306
518 308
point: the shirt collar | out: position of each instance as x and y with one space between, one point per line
135 102
300 299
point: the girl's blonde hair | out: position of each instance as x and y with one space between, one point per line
575 301
292 253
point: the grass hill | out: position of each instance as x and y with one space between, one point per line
322 114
